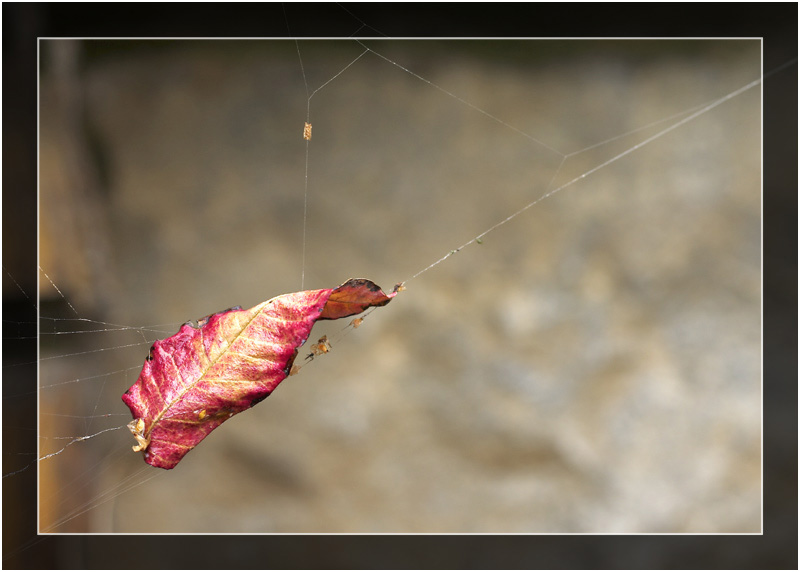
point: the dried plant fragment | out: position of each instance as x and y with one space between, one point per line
322 346
198 378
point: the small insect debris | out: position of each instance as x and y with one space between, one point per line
479 240
177 400
356 322
307 132
322 346
399 287
137 428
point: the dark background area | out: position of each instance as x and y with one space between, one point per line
777 548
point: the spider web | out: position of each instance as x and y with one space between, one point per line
596 352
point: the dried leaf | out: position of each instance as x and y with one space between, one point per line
205 374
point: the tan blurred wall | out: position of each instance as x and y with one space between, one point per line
593 366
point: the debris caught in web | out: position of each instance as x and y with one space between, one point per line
198 378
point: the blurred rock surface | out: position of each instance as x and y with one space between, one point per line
593 366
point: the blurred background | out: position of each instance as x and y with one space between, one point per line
593 366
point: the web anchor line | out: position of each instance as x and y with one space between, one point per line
687 119
126 485
61 450
307 137
464 101
60 293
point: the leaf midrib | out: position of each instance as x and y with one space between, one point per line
212 363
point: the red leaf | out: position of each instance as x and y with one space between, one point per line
200 377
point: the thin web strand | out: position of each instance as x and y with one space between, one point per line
305 186
675 115
362 22
297 46
84 480
20 288
637 130
60 293
465 102
108 349
156 328
74 440
305 219
630 150
112 493
308 145
340 71
79 417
